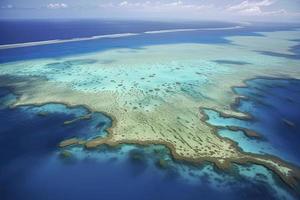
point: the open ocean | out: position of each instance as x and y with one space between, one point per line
33 168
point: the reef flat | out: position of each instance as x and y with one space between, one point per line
155 94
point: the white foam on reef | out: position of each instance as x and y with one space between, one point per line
27 44
119 35
192 29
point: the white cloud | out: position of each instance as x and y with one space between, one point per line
175 3
8 6
57 5
157 5
247 5
123 3
254 8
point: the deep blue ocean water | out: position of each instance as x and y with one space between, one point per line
274 105
42 30
68 29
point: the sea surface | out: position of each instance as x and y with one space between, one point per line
36 30
33 167
274 105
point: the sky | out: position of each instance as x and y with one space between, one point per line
221 10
